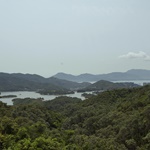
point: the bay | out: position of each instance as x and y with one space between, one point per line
26 94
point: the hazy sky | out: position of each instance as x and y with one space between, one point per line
74 36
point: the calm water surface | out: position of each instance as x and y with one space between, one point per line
25 94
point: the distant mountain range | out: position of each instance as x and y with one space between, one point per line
33 82
134 74
64 83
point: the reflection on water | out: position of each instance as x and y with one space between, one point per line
25 94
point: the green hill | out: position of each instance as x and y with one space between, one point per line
113 120
107 85
29 82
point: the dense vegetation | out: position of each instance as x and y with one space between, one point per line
8 96
113 120
48 91
107 85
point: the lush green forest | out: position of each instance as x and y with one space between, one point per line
112 120
107 85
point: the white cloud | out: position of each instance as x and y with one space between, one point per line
133 55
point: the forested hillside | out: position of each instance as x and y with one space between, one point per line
113 120
29 82
107 85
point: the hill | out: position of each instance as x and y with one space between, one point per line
52 80
112 120
140 73
107 85
29 82
134 74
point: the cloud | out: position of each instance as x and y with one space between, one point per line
133 55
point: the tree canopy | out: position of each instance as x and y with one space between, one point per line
112 120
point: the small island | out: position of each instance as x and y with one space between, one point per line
55 92
104 85
8 96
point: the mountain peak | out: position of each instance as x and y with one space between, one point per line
133 74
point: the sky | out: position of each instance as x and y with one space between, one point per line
74 36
